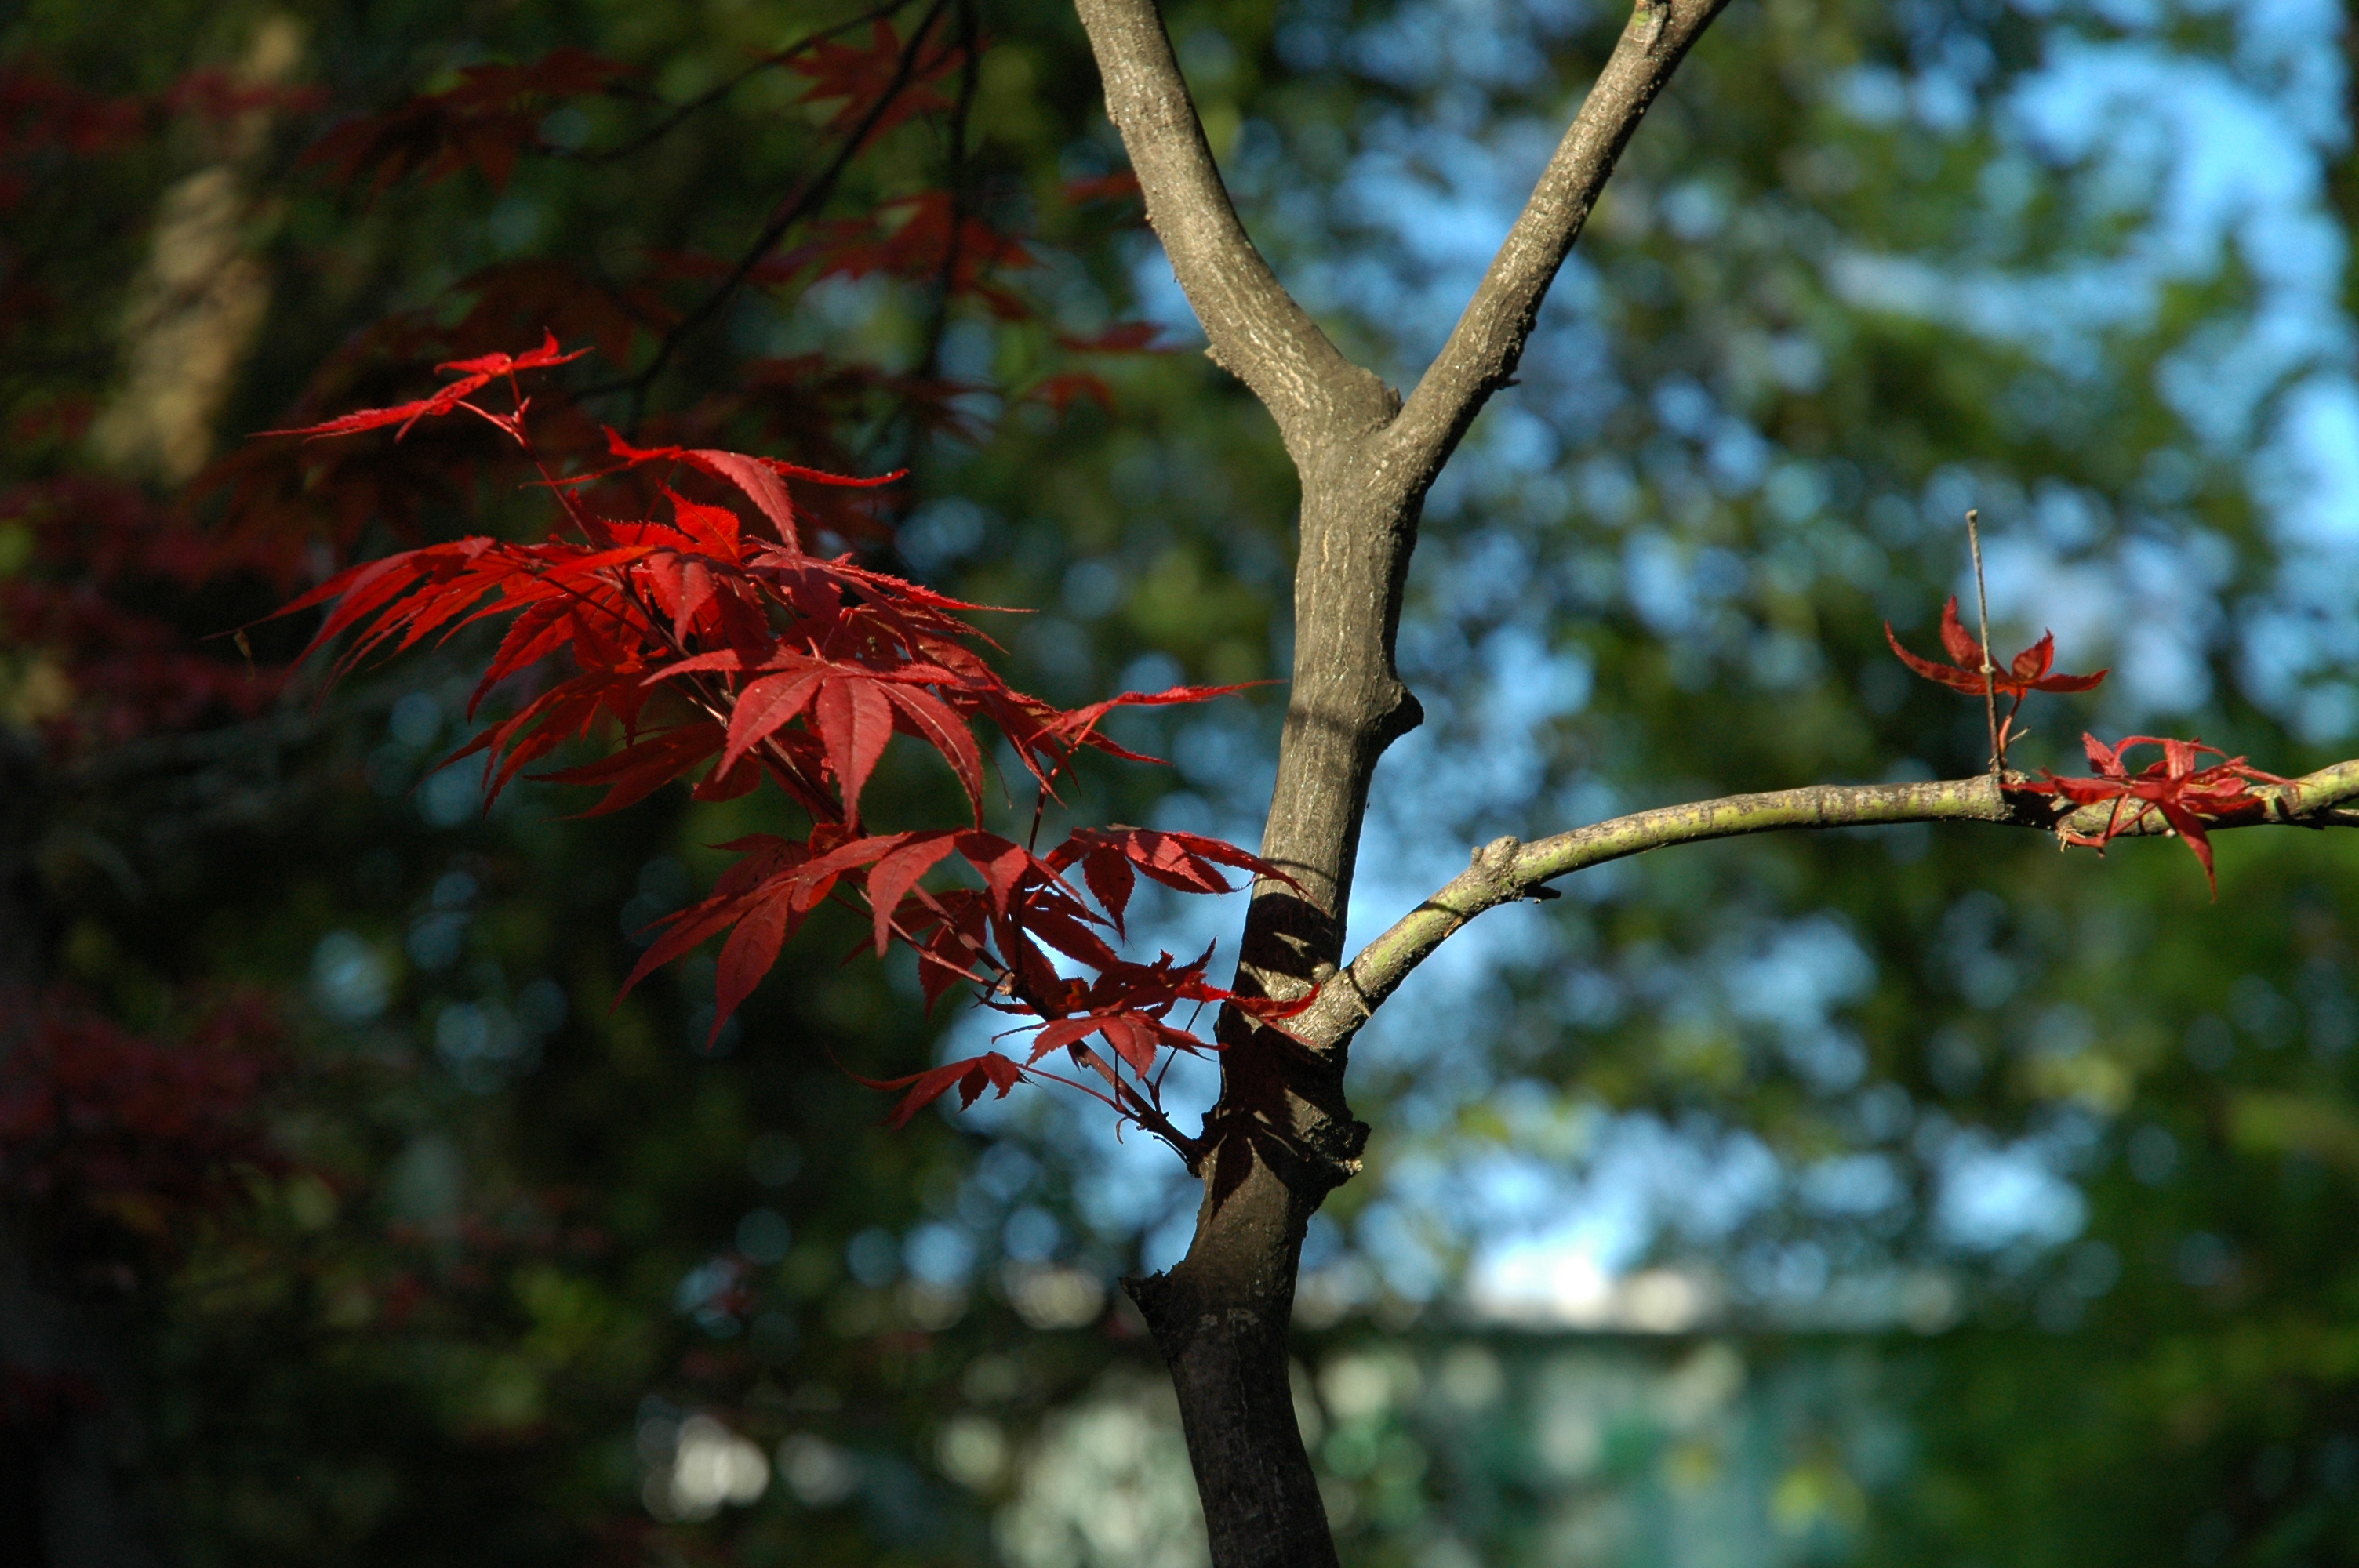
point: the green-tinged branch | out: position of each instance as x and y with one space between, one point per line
1505 870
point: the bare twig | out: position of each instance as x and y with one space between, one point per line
1982 625
681 114
1507 871
1482 350
1258 333
962 110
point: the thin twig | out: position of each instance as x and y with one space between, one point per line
805 202
962 110
1508 870
1982 624
705 100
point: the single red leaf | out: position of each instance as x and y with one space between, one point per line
643 767
1062 1033
890 882
931 721
855 719
1065 930
1134 1040
1111 880
748 955
1002 864
763 480
766 704
972 1077
2028 672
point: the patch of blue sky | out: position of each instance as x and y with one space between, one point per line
1455 44
1526 1225
1993 1196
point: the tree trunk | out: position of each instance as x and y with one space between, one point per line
1281 1138
1220 1318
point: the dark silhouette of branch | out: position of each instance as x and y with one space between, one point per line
683 113
807 201
955 181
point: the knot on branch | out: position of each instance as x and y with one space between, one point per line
1405 715
1497 856
1497 865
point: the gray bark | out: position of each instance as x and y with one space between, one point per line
1282 1136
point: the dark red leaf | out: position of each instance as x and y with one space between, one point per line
972 1076
898 872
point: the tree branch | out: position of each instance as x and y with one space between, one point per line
1505 870
1481 354
1258 333
805 202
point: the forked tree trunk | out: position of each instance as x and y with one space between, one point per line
1281 1137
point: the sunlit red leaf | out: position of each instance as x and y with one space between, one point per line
2187 797
855 719
2028 672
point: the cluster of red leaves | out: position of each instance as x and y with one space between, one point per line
923 237
494 113
483 123
137 1132
2186 796
288 497
710 637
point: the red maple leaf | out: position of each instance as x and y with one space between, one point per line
473 374
972 1077
2028 672
2184 795
1187 861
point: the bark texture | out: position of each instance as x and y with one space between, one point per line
1282 1136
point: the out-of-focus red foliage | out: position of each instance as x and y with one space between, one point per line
119 1126
484 123
95 670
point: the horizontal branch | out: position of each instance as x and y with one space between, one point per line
1484 347
1507 871
1258 333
